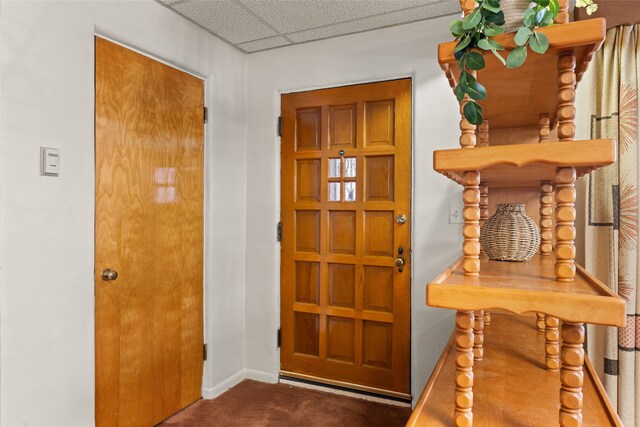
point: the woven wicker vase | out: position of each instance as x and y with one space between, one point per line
513 13
510 235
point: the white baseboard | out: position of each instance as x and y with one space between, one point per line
262 376
217 390
235 379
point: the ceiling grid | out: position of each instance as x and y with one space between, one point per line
257 25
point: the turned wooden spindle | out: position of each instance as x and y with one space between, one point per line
467 130
563 12
543 128
552 345
483 134
571 374
566 96
478 335
471 227
546 233
483 205
484 215
463 416
565 250
546 219
540 322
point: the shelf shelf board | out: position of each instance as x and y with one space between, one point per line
516 97
524 165
510 386
524 287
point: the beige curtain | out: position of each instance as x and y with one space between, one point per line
611 238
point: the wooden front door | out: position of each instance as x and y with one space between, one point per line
346 185
149 141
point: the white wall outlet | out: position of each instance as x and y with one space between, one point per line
455 213
49 161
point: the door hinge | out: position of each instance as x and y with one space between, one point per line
279 337
279 126
204 352
279 232
206 115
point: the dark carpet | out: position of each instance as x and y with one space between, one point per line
253 403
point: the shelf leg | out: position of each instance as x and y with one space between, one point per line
552 345
543 128
478 335
463 415
566 96
571 375
467 130
484 214
546 220
563 13
540 322
471 228
565 269
483 134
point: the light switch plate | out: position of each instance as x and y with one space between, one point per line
455 213
49 161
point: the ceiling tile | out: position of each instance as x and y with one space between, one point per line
297 15
225 18
263 44
393 18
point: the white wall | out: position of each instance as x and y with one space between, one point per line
46 224
408 50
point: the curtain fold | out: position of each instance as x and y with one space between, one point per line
611 237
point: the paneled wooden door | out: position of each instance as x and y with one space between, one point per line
346 200
149 142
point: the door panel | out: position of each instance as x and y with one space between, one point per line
346 174
149 140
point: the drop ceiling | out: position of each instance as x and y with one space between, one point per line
255 25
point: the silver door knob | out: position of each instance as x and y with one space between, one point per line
109 274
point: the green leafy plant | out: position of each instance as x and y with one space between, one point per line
475 34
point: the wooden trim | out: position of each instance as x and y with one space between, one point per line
539 292
344 384
524 165
561 37
616 12
592 152
434 405
602 393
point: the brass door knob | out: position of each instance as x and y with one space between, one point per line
399 262
109 274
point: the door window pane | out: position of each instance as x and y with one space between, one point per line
350 191
334 191
350 167
334 168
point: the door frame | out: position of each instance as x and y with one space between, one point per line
207 196
278 194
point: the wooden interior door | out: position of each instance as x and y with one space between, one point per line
149 142
346 182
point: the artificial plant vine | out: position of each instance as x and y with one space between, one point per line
475 32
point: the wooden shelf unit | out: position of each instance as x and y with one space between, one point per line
511 387
508 374
527 287
525 165
516 97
